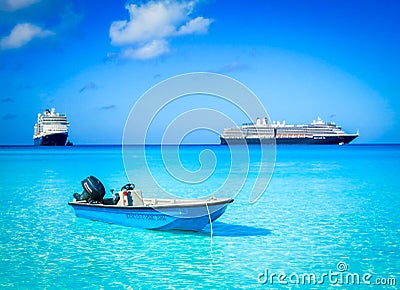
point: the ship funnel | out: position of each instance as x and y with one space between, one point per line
265 121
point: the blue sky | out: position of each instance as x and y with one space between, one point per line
335 59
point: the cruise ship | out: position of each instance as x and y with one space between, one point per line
51 129
317 132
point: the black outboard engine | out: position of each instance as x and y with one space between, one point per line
93 190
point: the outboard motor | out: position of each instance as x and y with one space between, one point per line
93 190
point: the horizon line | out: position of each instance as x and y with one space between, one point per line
189 144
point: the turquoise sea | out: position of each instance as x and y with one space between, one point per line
327 209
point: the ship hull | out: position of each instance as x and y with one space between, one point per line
317 140
58 139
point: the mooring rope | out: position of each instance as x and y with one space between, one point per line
211 228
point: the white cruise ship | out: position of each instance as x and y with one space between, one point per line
51 129
317 132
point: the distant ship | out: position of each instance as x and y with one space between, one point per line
318 132
51 129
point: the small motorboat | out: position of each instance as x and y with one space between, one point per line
127 207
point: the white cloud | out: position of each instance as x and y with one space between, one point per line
22 34
12 5
152 20
150 26
198 25
150 50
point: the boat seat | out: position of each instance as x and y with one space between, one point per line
108 201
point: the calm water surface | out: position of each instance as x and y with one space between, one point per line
324 205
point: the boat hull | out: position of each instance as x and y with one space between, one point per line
58 139
174 217
316 140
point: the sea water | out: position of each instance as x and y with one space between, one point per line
328 211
